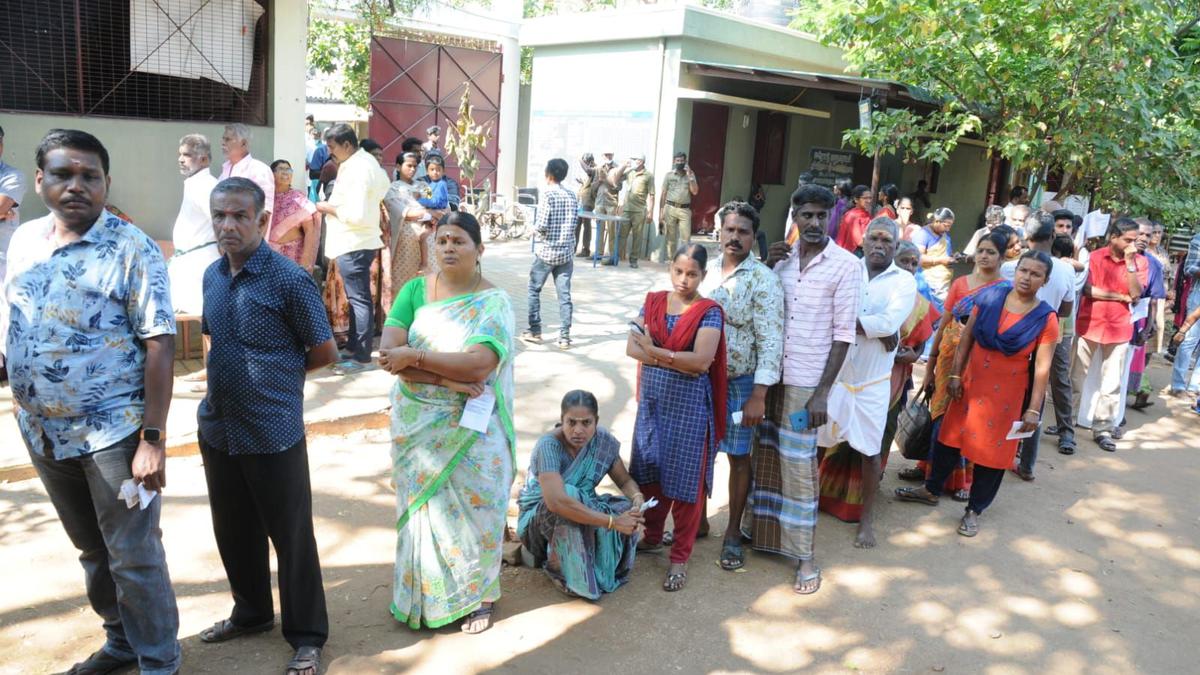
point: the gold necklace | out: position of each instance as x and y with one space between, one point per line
437 280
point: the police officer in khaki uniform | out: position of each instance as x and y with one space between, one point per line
587 202
675 210
607 195
638 202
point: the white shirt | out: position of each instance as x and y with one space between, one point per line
193 225
195 244
858 403
251 168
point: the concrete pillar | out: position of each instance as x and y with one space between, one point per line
510 106
288 67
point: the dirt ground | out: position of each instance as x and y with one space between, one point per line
1092 568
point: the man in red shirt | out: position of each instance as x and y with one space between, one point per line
853 227
1116 276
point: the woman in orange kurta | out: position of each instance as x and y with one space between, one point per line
996 381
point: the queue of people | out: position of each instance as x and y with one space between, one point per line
796 369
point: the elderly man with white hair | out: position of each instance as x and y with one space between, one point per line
858 402
235 145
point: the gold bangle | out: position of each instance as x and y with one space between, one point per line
672 357
610 521
955 377
420 358
1035 412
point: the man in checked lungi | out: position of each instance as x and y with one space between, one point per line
821 286
752 298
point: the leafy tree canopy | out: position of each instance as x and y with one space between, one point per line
1107 92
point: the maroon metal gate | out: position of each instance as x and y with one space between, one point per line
415 85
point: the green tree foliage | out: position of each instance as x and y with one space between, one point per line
1105 91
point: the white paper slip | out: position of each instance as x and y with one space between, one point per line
478 411
737 417
135 494
1015 435
650 504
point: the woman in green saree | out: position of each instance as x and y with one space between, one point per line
585 541
448 338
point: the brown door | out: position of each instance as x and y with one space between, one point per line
415 85
706 156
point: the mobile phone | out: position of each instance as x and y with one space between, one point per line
799 420
635 328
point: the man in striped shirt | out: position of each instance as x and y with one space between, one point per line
821 293
553 246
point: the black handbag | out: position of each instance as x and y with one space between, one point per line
914 428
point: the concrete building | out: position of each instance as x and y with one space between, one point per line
749 101
233 61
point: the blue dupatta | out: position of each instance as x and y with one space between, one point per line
987 333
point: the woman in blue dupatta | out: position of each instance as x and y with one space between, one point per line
997 380
585 541
448 338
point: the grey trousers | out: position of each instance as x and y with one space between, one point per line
1061 390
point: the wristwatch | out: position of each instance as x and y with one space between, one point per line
152 435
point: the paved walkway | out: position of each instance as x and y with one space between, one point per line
332 402
1092 568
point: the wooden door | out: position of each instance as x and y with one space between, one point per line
706 156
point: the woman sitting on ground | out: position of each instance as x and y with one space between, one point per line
586 542
998 379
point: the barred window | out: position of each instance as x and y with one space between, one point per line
197 60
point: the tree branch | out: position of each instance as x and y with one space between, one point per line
975 57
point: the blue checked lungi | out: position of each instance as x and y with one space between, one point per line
781 513
737 437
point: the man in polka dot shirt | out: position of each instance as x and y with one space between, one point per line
268 329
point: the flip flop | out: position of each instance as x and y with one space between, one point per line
913 494
225 629
733 557
100 662
306 658
1106 443
484 612
912 473
967 530
961 495
801 580
675 581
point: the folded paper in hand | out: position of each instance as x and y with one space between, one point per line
135 494
1015 434
478 411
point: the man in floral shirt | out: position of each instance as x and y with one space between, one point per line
90 343
752 297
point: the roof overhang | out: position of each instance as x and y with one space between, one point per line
896 94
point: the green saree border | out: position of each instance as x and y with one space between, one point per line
466 442
416 625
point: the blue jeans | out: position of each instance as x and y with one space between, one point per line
538 274
355 268
124 565
1186 354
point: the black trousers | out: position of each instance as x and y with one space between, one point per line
259 497
985 482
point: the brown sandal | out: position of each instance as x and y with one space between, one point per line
916 494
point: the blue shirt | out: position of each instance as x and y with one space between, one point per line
554 225
77 317
316 161
262 322
1155 281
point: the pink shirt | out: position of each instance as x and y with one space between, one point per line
820 308
256 171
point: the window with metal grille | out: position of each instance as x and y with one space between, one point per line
201 60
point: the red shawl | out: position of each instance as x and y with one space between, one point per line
681 339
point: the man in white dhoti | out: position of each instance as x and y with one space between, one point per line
193 237
195 243
858 403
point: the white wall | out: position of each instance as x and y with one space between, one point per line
592 99
144 161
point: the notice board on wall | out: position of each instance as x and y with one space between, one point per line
828 165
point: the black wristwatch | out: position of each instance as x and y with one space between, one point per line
152 435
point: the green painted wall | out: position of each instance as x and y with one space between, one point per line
145 177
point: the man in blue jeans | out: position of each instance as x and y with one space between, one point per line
91 345
1185 381
553 246
353 237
